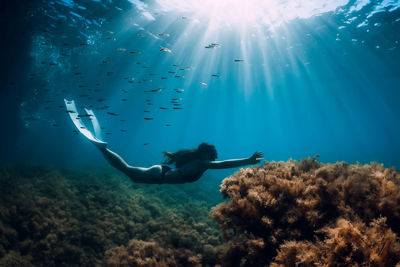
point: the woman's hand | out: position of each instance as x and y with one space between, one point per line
256 158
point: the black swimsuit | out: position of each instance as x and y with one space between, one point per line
164 169
187 178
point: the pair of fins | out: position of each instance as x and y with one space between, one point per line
95 138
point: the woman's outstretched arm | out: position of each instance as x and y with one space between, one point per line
232 163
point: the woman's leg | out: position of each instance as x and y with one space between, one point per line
150 175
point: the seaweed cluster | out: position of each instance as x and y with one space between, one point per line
308 213
50 217
281 214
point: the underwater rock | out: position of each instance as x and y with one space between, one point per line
53 217
311 213
140 253
280 214
346 244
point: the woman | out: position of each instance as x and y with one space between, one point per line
190 165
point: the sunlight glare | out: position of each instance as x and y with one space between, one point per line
251 12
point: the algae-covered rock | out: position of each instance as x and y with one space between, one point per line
305 210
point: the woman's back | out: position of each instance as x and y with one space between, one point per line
189 172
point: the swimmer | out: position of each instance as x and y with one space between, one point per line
189 164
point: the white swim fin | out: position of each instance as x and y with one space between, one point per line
95 123
73 113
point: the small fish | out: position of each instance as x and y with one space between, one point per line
176 98
75 131
171 71
177 105
83 44
109 32
168 125
146 144
106 61
65 55
84 115
148 119
146 111
55 125
215 75
134 52
140 35
123 130
52 64
155 90
179 76
121 49
112 113
202 83
108 133
100 100
163 34
164 78
109 73
122 120
238 60
178 90
163 108
212 45
166 50
124 99
105 107
177 108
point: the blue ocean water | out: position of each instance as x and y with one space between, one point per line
289 79
315 81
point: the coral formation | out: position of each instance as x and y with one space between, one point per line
312 213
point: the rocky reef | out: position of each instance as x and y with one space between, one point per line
294 213
53 217
310 214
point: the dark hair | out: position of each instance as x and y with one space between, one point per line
204 150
